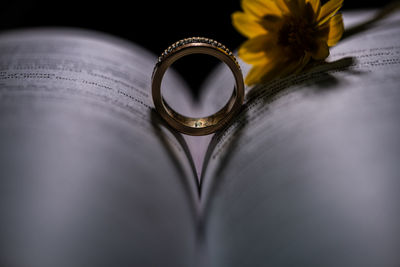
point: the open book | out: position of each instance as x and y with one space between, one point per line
308 174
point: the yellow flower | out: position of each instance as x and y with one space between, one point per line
284 35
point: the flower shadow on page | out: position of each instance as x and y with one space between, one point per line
226 141
317 76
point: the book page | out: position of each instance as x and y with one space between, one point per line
308 175
88 174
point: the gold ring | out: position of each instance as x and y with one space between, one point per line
203 125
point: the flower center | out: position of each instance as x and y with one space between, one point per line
298 35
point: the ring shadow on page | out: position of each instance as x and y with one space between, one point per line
158 125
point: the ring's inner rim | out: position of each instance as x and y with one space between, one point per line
224 115
202 122
207 121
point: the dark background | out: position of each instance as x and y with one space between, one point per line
152 24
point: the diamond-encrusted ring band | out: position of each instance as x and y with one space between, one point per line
203 125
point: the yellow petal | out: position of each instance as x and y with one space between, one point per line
257 73
259 49
271 23
268 70
265 71
274 69
266 43
309 14
321 52
328 10
252 52
260 8
281 4
254 58
293 6
336 29
316 5
291 66
323 32
247 25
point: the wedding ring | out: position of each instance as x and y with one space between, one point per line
201 125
